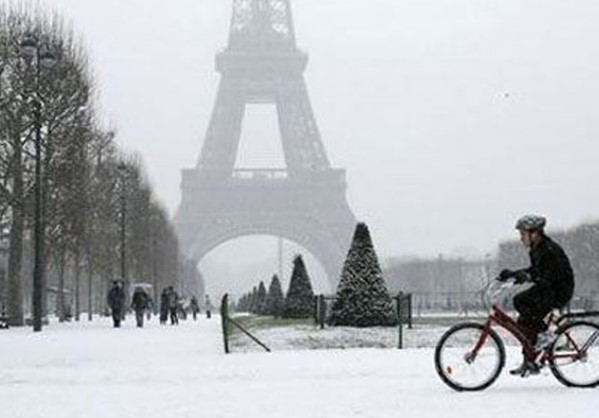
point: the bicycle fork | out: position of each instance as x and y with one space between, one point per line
590 342
471 355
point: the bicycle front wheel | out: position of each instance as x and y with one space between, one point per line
468 358
574 355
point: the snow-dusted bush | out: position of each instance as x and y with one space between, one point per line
362 298
275 301
299 302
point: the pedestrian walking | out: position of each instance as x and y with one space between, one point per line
173 305
164 306
208 306
139 304
194 306
116 302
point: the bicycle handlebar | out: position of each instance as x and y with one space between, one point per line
496 291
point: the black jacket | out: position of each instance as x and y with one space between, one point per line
550 269
116 298
139 301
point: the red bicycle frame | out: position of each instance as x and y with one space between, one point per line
501 318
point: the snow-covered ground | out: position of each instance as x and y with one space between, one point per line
304 334
308 336
90 370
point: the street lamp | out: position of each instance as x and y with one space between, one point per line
42 59
123 174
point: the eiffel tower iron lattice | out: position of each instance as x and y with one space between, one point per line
304 203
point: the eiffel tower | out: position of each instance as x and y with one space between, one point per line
304 203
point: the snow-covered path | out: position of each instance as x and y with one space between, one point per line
91 370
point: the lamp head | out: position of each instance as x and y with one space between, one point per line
29 47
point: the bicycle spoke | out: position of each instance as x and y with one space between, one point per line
460 366
575 355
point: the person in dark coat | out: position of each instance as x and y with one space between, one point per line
208 306
194 306
164 306
173 305
116 302
552 281
139 304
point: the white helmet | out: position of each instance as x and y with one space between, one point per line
531 223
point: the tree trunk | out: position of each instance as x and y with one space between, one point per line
77 286
14 289
90 292
60 296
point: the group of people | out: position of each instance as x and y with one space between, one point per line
171 305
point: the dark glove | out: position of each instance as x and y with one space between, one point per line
520 277
505 275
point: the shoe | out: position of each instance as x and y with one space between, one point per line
544 340
527 368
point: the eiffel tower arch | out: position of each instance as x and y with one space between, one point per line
305 202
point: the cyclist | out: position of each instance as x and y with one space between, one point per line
553 285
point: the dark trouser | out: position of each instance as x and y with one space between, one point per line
173 314
139 318
163 315
533 305
116 317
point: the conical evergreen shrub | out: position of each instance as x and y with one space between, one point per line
275 301
246 302
241 304
299 302
261 299
362 299
254 300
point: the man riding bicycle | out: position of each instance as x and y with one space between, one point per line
553 285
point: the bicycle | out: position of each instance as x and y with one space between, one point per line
470 356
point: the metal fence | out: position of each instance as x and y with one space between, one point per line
427 310
471 303
403 311
227 322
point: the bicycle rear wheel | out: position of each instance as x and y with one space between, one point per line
463 369
574 355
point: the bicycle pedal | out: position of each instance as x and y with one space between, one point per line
527 369
530 372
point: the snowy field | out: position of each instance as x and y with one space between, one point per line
304 334
309 336
93 371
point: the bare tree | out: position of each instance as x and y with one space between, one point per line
86 195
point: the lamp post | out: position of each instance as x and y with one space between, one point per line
42 59
123 174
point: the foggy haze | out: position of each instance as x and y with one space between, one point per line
451 117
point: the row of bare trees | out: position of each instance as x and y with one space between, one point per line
101 220
446 281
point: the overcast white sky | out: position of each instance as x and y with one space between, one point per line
452 117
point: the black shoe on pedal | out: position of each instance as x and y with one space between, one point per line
527 368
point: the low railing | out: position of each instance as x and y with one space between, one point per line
192 178
227 321
403 306
260 174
